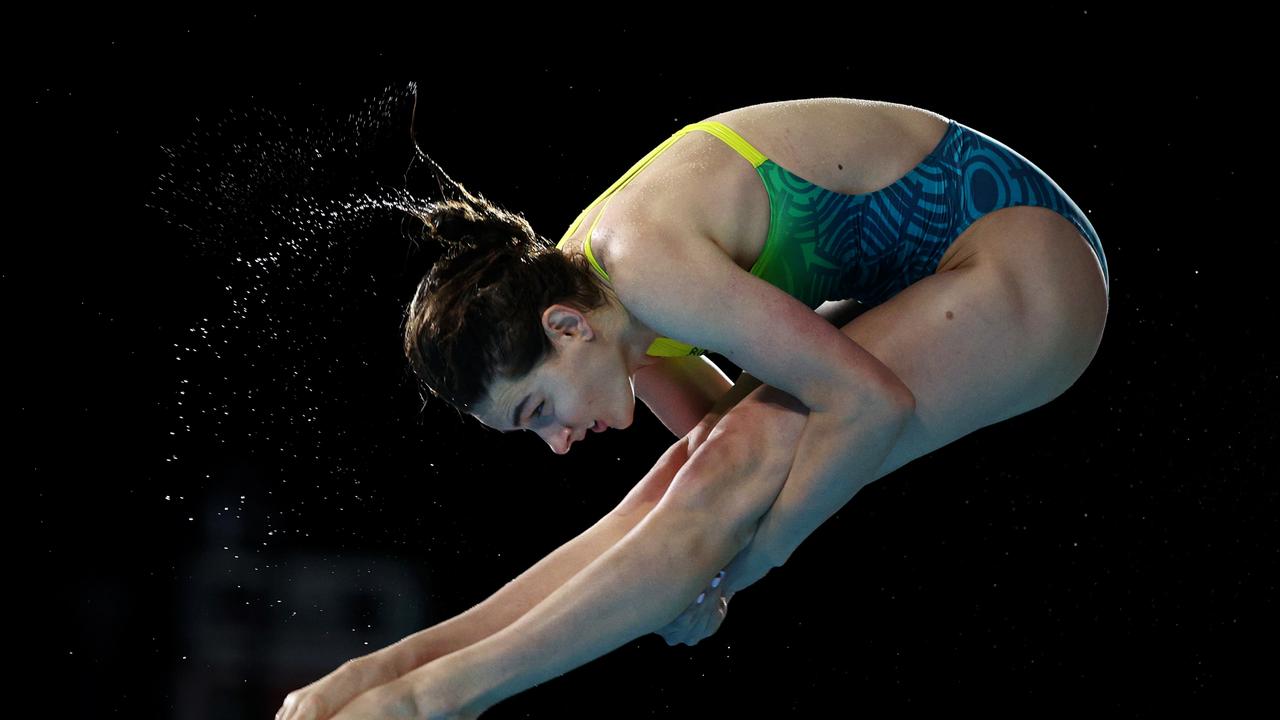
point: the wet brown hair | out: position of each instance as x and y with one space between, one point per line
477 313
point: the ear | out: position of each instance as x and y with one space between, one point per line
561 320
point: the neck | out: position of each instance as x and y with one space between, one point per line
636 338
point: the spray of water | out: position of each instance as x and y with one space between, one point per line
306 220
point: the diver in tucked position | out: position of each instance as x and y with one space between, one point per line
973 289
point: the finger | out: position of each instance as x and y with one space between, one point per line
715 616
721 612
696 626
698 630
290 710
684 630
678 630
695 633
674 632
286 708
309 708
296 707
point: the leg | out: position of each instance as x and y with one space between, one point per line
1006 330
1007 326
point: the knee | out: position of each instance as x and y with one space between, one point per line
1073 356
767 417
1059 376
1071 330
1072 372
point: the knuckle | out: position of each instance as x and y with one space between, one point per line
289 709
308 708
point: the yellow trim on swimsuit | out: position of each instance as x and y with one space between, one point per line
662 346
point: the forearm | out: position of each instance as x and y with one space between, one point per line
633 589
836 312
534 585
509 603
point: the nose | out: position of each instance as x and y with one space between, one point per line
564 439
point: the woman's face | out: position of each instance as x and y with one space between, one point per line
583 381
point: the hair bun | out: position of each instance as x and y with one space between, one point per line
450 223
460 227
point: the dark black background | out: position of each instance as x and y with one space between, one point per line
219 502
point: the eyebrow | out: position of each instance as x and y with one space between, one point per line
515 416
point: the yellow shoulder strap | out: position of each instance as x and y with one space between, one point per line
719 129
586 244
731 138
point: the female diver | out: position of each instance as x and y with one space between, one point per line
973 289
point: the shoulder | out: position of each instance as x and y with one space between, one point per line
681 284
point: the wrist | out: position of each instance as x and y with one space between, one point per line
404 655
452 687
373 669
385 661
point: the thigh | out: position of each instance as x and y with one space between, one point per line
1003 330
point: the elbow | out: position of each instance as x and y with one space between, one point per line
894 407
887 405
885 390
890 405
865 392
896 392
904 399
892 398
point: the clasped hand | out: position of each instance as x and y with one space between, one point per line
703 616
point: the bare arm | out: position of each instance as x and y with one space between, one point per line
632 589
704 520
322 698
532 586
517 597
836 312
776 421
